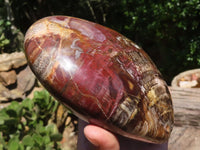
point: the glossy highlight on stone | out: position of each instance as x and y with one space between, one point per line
102 76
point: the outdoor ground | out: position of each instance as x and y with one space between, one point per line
69 141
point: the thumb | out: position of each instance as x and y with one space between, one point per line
101 138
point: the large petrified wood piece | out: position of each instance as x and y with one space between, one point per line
105 78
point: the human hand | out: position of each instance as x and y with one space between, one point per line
102 139
91 137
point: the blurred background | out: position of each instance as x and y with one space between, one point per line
169 31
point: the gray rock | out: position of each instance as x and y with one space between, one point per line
6 94
25 80
13 60
8 78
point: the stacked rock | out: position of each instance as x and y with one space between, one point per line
16 78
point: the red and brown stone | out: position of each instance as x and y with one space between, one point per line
105 78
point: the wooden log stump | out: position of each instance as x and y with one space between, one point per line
186 132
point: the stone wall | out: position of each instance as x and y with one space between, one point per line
16 79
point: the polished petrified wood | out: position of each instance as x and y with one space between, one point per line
102 76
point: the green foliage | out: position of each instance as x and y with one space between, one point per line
11 39
168 31
194 46
26 126
3 27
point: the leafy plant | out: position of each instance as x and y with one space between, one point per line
168 30
28 126
3 40
11 39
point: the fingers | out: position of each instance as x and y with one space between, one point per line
101 138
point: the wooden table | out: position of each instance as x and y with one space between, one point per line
186 132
